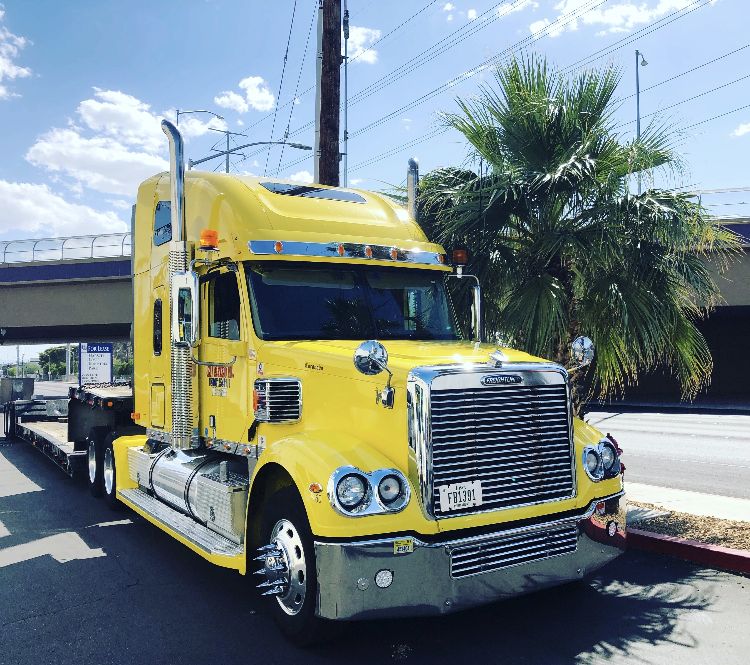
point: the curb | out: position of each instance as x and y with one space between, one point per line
714 556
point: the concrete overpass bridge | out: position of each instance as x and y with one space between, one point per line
57 290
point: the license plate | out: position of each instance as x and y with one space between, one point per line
460 495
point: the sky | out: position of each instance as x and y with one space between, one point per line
84 84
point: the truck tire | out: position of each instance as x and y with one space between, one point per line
109 475
94 462
284 530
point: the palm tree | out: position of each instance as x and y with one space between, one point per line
561 244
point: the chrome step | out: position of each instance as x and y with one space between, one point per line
199 535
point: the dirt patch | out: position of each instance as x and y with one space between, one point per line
711 530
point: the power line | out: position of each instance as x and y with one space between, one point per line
281 82
716 117
390 32
296 88
641 32
689 71
688 99
381 156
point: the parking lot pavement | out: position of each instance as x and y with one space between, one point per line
117 590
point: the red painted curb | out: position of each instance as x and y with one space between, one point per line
715 556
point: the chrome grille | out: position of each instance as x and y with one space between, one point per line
512 550
515 439
279 400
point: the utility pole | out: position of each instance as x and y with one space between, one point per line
346 95
328 154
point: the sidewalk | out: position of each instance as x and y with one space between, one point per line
694 503
738 405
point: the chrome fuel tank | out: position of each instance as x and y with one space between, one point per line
204 485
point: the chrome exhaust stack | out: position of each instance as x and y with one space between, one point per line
184 434
412 187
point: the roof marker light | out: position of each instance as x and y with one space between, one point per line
340 249
278 246
394 254
209 239
368 251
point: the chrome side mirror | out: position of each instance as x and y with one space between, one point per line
582 351
185 310
370 357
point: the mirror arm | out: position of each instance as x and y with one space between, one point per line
203 363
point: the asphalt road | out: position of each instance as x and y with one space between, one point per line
140 597
690 451
52 388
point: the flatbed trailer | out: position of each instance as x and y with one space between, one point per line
61 429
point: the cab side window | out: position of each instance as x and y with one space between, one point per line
162 223
224 306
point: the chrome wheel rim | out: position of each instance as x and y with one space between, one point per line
92 462
109 470
286 538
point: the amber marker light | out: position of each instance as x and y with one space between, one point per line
316 488
255 400
340 250
368 251
440 258
460 257
278 246
394 254
209 239
135 415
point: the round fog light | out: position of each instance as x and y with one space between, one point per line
389 489
384 578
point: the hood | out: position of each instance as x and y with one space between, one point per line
336 356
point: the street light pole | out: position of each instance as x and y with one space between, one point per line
298 146
639 60
179 113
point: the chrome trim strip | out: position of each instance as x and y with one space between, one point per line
346 250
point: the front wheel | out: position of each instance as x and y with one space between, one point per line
288 576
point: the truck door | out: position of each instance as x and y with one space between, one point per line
223 387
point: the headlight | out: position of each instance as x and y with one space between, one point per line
351 491
389 489
592 462
609 455
356 493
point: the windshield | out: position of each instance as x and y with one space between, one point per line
317 301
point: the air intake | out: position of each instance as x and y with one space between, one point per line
278 400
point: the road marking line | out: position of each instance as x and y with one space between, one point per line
13 482
62 547
113 523
3 531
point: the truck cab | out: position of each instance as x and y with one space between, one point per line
313 417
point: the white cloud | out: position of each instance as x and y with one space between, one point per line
406 123
231 100
115 144
471 14
257 93
360 40
240 122
448 7
122 117
305 177
10 48
356 181
99 163
193 126
120 204
449 18
506 8
741 130
35 210
613 18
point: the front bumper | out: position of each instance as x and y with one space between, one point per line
450 575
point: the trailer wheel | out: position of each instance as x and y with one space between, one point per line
109 475
288 573
95 462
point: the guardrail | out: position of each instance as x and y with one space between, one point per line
104 245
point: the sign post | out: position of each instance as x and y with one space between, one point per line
95 363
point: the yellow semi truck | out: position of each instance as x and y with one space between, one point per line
310 415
